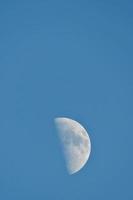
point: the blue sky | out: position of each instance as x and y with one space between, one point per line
72 59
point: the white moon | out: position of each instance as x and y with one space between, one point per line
76 143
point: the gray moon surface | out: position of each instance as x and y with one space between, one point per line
75 142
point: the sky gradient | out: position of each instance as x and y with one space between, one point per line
71 59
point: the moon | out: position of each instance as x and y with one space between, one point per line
75 142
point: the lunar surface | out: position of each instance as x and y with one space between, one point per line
75 142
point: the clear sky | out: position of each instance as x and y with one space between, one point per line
68 58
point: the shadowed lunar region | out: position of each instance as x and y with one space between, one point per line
75 142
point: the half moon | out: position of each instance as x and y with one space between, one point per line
75 142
